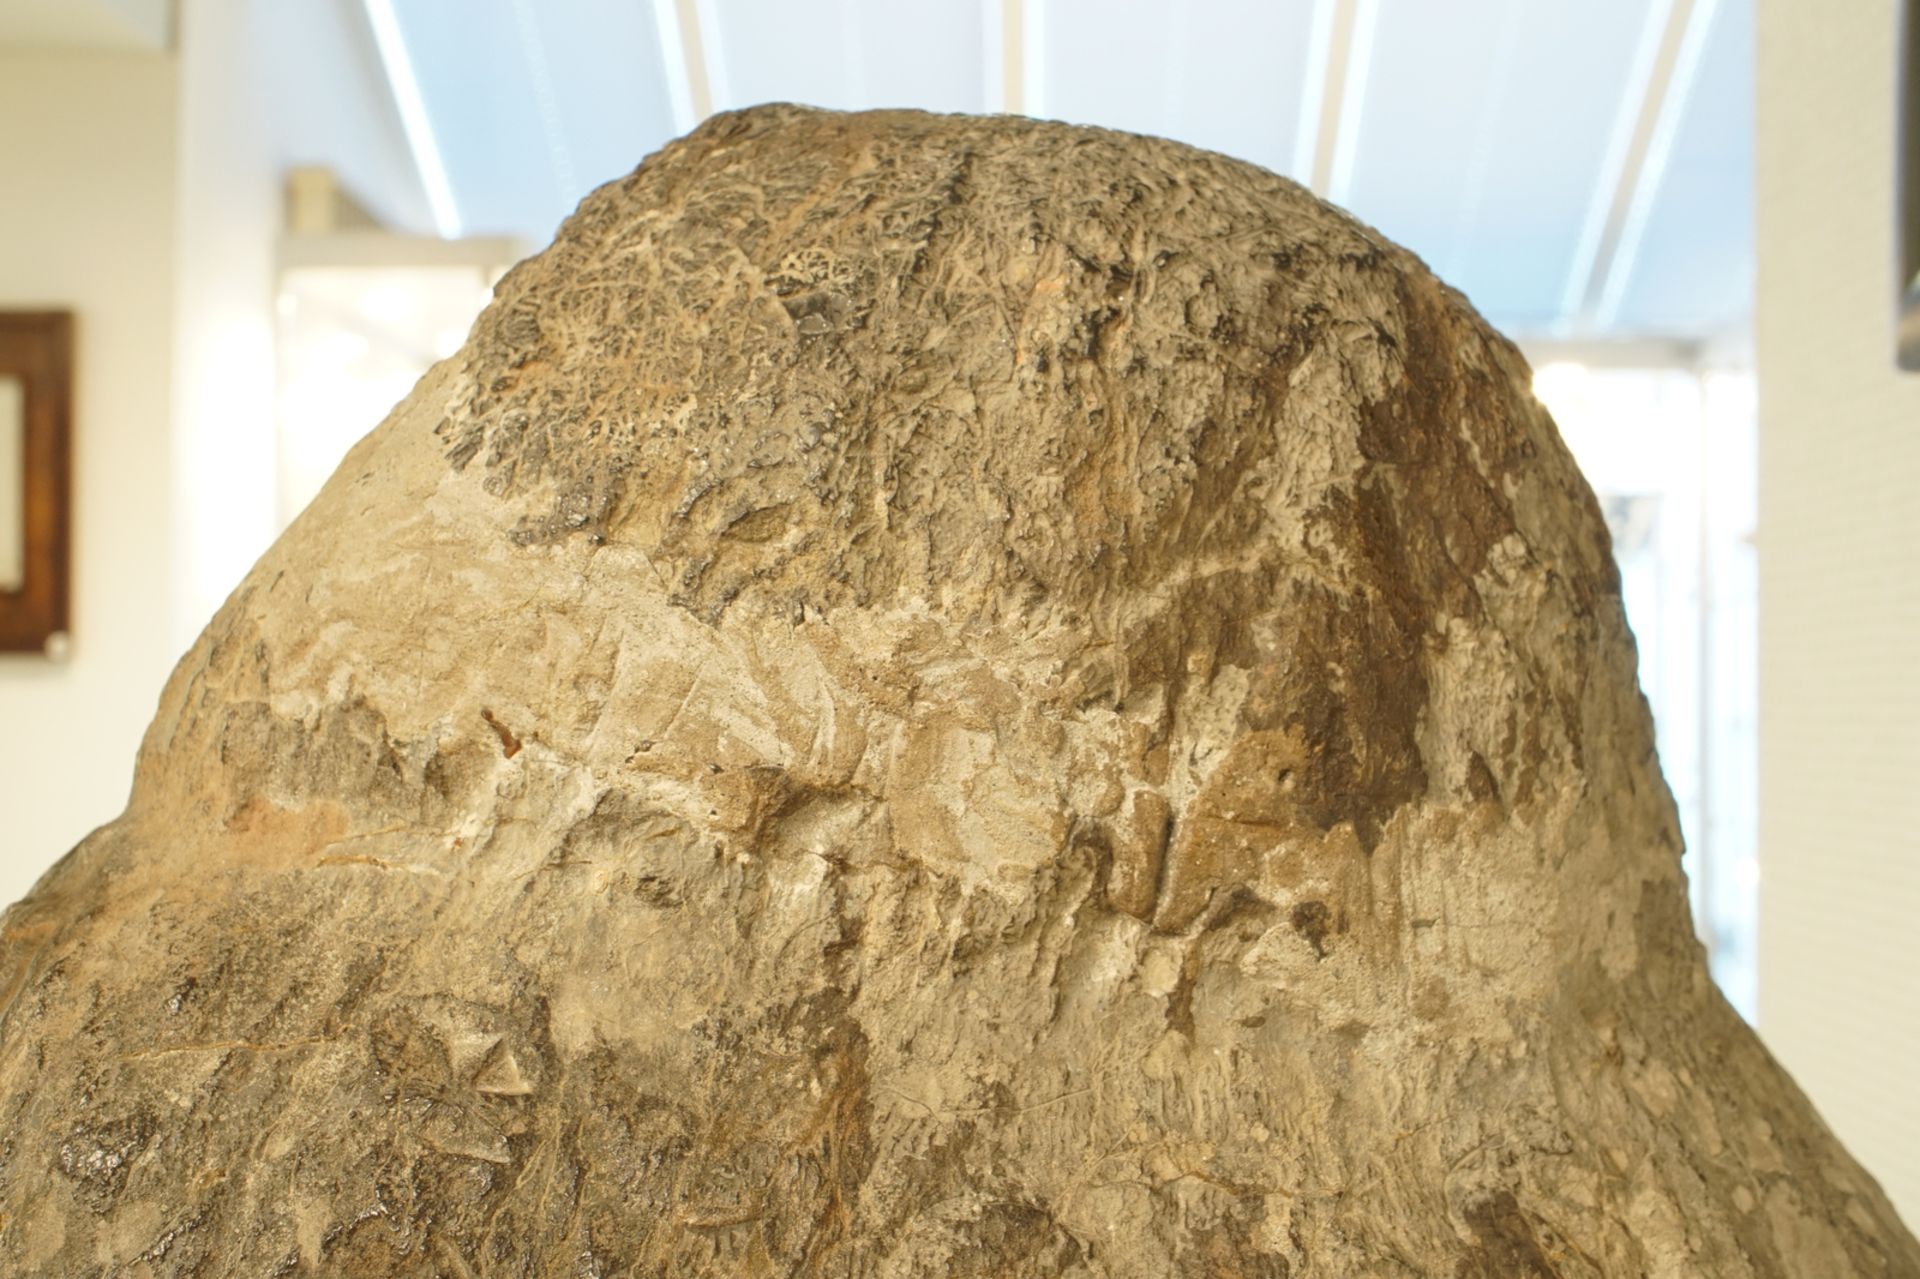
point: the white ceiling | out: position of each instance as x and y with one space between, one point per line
1581 168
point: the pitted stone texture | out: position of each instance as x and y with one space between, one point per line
928 696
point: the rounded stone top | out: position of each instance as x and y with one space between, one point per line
824 359
1028 377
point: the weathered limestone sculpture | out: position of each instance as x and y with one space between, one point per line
928 696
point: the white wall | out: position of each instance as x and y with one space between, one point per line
264 85
146 194
86 222
1839 549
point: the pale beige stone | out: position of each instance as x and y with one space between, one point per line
927 696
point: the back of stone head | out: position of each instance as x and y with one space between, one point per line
1005 369
1163 412
927 696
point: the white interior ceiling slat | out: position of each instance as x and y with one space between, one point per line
1475 131
1693 271
607 88
481 106
1223 75
532 105
1482 135
851 54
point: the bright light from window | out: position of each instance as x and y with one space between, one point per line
1670 454
353 341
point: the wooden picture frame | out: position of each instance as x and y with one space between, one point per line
1906 283
36 491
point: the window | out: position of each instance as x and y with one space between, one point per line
1671 452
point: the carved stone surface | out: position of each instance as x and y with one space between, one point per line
928 696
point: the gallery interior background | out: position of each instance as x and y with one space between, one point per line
1606 181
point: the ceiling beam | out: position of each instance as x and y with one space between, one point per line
1010 61
1644 129
414 121
1339 54
684 57
1655 163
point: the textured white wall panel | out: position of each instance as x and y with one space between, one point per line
1839 534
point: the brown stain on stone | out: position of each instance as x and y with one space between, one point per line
264 834
1138 848
1014 1240
1227 1250
1246 810
1313 921
509 743
746 801
1507 1245
1481 784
